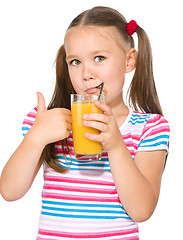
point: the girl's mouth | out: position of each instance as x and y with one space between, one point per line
94 89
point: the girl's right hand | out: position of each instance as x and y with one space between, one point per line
50 125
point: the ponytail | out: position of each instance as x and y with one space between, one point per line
142 91
60 99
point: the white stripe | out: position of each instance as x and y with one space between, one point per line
81 202
94 225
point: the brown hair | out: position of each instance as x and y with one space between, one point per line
142 91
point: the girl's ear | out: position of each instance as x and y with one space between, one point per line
131 60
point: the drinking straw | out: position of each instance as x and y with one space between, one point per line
102 85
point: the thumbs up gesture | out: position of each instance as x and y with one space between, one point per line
41 105
50 125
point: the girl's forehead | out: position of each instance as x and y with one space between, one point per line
103 34
89 30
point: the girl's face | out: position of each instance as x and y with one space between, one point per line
94 55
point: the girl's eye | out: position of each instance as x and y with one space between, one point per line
75 62
99 58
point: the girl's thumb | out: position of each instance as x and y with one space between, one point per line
41 106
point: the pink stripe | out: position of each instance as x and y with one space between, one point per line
59 150
88 235
70 143
156 118
129 135
104 154
58 145
161 129
32 115
126 136
66 151
75 180
77 189
156 121
80 198
132 152
157 130
131 144
26 121
126 238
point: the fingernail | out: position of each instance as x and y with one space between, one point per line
85 122
85 115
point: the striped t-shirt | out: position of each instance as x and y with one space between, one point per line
82 203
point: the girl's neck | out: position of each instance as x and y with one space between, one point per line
120 112
121 115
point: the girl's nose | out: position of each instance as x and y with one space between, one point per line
88 73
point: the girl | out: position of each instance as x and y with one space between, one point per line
95 199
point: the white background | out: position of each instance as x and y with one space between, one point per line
31 33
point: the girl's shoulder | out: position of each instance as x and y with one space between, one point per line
146 119
148 131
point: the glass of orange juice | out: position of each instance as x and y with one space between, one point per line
83 147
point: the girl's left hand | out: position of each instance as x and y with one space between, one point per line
110 136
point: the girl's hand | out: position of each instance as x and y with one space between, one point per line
50 125
110 136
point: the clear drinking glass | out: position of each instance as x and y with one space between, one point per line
83 147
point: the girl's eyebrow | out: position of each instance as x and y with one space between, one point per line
99 52
70 57
96 52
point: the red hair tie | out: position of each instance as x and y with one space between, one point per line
131 27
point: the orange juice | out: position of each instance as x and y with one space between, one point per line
82 145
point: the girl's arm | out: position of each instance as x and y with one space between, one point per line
22 167
137 181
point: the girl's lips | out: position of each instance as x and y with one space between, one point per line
92 90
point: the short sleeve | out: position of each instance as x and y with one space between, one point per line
29 121
155 135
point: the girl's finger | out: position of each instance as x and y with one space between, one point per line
104 107
69 126
68 118
97 125
66 111
93 137
96 117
